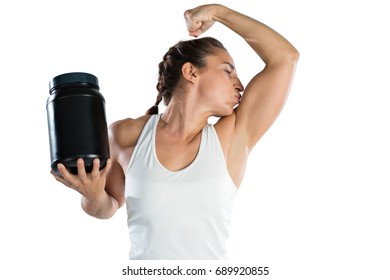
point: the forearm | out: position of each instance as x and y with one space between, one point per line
266 42
102 207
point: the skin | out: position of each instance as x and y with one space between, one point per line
211 91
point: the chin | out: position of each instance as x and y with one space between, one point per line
225 113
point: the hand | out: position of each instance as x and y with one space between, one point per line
90 185
199 19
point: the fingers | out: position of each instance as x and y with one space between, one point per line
58 178
81 168
88 184
186 14
107 168
192 24
64 173
95 168
82 176
70 180
199 20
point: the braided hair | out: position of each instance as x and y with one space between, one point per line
169 69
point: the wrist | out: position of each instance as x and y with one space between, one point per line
102 206
218 12
94 198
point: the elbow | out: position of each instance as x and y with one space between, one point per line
288 56
291 55
294 55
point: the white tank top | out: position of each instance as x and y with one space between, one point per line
178 215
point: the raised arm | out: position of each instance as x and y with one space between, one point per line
267 92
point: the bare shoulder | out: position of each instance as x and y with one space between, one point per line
124 133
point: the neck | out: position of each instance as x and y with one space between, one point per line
183 119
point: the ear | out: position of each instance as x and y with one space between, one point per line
189 71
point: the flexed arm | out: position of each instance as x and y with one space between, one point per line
267 92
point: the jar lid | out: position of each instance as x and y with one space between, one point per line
73 77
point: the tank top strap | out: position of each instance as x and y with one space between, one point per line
146 136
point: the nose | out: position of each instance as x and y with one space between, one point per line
238 85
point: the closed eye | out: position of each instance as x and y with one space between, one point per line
229 68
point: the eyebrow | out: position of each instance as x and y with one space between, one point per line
231 65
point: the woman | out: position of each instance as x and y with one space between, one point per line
178 174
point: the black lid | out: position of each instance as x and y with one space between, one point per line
74 77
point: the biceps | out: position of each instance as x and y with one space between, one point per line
115 184
263 101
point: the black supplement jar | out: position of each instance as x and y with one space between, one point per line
76 121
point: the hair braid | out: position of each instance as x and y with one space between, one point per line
169 69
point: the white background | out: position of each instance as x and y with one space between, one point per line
315 200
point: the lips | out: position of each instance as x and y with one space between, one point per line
238 97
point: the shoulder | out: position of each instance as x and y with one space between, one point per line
124 133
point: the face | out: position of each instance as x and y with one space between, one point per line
219 85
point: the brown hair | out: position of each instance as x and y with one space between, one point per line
169 69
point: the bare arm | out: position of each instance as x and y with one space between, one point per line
264 96
102 191
95 200
266 93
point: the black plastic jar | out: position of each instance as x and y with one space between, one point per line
76 121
